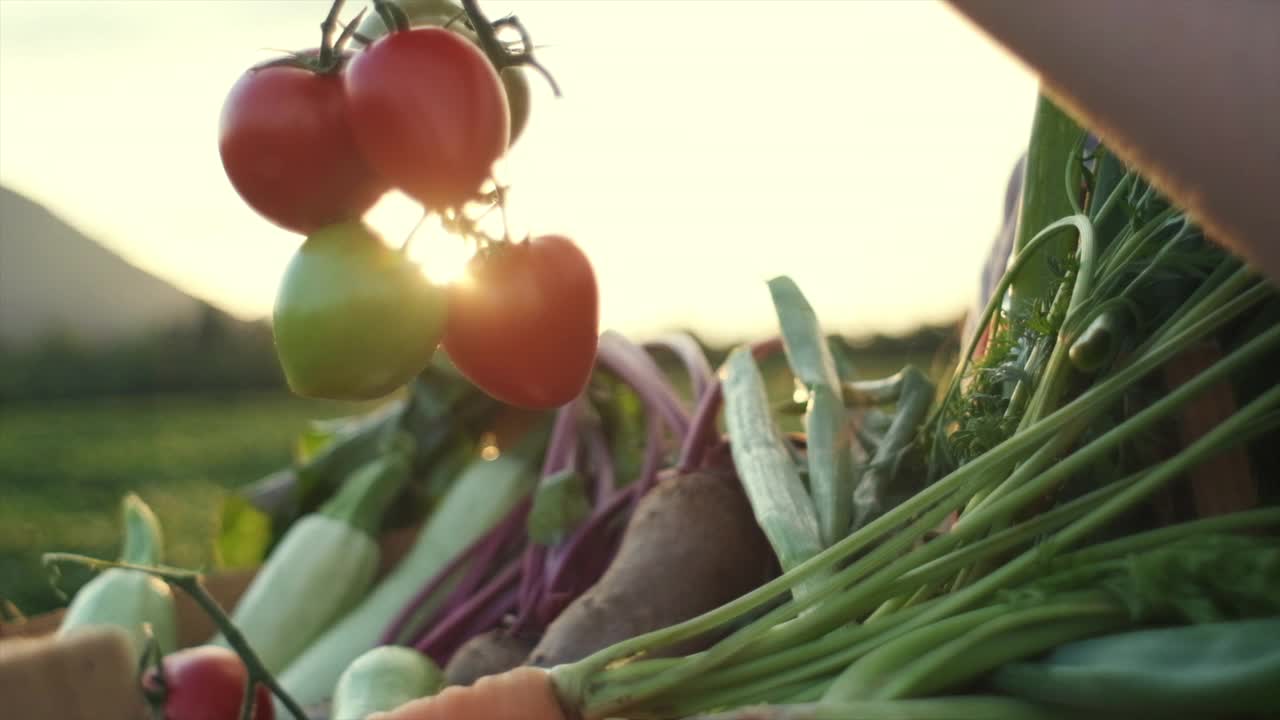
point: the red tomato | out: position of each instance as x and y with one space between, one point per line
429 112
288 148
523 327
207 683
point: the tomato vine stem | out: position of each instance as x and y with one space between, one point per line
392 15
326 33
348 32
498 53
190 583
155 695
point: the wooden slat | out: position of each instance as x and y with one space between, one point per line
1225 483
87 675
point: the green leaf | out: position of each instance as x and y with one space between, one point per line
1210 578
244 534
559 505
806 346
830 437
624 421
311 441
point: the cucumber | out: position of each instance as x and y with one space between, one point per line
384 678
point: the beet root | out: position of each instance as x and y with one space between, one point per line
691 545
489 653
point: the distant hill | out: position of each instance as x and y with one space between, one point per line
57 283
76 321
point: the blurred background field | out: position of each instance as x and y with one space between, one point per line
65 464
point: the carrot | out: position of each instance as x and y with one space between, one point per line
693 534
525 693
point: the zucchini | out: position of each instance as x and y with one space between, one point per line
129 599
485 491
321 568
384 678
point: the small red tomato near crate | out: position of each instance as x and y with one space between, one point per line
206 683
429 113
289 151
523 326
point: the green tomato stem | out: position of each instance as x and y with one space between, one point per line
326 33
189 582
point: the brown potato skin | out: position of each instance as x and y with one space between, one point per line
691 545
489 653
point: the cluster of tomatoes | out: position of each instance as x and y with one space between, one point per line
426 107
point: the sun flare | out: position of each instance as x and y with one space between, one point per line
441 255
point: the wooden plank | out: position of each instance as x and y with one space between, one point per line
87 675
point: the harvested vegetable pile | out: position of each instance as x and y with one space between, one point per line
1080 522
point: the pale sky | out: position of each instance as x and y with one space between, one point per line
700 148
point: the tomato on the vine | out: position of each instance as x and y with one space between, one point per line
354 319
206 683
523 326
429 113
449 15
289 151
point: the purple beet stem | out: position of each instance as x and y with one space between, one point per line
555 591
690 354
545 580
601 463
484 548
463 621
701 435
634 366
485 552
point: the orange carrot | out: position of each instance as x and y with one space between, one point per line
521 694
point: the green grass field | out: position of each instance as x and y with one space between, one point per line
64 467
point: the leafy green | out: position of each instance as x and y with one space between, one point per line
1208 578
1210 670
559 506
244 534
1202 578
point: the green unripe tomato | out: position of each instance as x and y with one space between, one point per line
354 319
516 84
438 13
